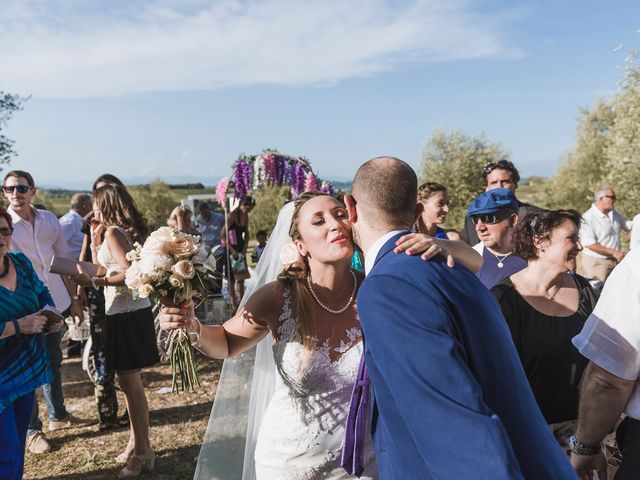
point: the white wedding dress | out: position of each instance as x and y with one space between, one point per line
302 430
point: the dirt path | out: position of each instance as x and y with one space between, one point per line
178 423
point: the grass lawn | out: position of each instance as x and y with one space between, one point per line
178 423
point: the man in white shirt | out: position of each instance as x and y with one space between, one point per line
611 340
39 236
72 222
600 235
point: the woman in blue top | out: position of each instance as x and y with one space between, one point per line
24 363
435 201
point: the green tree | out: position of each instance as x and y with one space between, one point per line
607 150
269 200
9 104
585 166
455 159
155 201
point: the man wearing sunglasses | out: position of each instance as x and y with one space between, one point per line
600 235
501 174
494 216
39 236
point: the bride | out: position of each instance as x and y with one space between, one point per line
308 319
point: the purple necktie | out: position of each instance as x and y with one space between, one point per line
353 450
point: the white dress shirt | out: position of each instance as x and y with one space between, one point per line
40 243
602 228
372 252
610 337
71 223
635 232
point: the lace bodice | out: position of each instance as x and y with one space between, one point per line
302 432
118 299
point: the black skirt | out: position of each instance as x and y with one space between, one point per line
131 340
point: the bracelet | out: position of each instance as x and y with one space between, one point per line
75 298
93 283
196 342
581 449
16 327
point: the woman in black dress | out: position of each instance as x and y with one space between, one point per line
546 305
237 241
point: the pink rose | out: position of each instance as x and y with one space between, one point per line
145 290
181 247
183 269
176 281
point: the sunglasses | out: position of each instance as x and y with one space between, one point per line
6 232
612 197
503 164
488 219
19 188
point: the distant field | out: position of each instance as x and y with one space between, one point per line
59 203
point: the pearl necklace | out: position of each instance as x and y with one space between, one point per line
330 310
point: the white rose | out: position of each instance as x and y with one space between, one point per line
132 277
175 281
154 263
289 254
145 290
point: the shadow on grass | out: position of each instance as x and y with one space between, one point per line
158 417
177 463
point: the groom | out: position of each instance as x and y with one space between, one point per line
451 399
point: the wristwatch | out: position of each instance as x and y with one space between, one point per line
580 449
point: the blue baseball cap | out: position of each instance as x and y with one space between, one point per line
493 201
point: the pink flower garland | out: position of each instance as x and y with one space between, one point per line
221 191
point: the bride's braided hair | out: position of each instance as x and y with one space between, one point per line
295 275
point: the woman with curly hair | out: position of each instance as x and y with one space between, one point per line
546 305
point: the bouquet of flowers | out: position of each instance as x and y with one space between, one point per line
172 266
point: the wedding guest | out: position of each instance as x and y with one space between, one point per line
209 225
39 236
494 215
72 221
261 238
435 201
545 307
23 356
600 234
500 174
180 218
611 386
308 305
236 237
131 339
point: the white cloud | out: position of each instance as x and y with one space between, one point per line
82 49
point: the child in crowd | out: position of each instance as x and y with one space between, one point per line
261 238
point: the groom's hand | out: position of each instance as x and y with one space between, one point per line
419 243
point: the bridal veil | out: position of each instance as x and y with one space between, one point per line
246 385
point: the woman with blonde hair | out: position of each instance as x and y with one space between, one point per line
303 306
435 202
131 341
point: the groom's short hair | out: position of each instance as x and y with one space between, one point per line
386 188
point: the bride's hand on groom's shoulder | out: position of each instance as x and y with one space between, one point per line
424 245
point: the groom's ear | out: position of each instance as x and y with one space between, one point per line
350 203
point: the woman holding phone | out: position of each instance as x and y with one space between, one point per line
24 359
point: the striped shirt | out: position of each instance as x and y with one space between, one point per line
24 363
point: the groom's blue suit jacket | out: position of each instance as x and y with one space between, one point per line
451 399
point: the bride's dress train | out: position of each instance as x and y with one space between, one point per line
302 430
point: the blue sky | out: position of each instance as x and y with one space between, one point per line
168 88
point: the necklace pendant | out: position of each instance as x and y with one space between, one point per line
500 264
